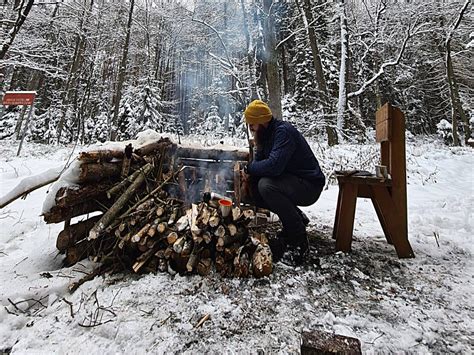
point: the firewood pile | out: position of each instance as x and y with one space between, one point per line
162 207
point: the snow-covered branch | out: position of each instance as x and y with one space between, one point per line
30 184
384 66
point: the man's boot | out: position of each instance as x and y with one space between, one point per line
278 247
298 250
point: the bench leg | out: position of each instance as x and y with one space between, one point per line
391 217
382 220
345 216
338 207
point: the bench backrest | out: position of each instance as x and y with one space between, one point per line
390 132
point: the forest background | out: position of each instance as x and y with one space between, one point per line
108 69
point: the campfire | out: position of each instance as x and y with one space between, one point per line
164 207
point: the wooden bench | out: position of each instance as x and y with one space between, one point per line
388 195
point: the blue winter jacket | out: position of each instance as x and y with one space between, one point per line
284 150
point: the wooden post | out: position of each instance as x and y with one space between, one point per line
25 128
398 168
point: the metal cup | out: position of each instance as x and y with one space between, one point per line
381 171
225 207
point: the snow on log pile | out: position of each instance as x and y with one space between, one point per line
143 210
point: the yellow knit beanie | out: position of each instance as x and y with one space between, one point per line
257 112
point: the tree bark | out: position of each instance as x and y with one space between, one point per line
271 60
456 105
23 11
307 15
121 75
342 101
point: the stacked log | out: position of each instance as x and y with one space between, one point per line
150 217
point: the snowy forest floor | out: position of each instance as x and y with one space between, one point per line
416 305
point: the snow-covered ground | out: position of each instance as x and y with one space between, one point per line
418 305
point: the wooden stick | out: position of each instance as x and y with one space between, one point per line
150 194
127 180
109 216
203 319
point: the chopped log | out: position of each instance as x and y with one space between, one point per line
74 233
67 196
195 211
202 220
220 231
178 245
320 342
182 223
206 236
227 239
236 214
241 263
58 214
98 156
154 147
173 216
77 252
160 211
152 230
143 259
212 154
232 229
214 220
125 240
262 261
127 158
171 238
187 247
204 266
140 234
193 258
197 238
162 227
109 216
146 205
93 172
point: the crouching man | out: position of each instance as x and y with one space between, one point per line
284 174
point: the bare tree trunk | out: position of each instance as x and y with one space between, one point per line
70 90
307 15
342 101
250 55
456 105
271 60
121 75
23 11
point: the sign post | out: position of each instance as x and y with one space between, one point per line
20 98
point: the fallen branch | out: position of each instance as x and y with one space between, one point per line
31 183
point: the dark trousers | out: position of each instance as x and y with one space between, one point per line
281 195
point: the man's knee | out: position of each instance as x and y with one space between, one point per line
265 186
